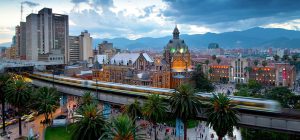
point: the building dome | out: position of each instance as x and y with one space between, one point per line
176 33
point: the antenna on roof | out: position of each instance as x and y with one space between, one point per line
21 11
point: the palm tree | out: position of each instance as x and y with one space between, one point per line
185 104
206 62
199 67
87 98
285 57
213 57
18 93
3 83
218 60
133 110
264 63
294 58
276 57
256 62
154 110
123 128
46 101
221 116
248 69
91 126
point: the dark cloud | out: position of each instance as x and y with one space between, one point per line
220 11
30 4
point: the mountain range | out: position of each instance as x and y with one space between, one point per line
252 38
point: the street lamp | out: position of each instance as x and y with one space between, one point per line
97 89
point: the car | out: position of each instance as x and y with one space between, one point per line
24 117
30 118
13 121
34 113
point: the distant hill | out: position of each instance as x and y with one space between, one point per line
251 38
6 44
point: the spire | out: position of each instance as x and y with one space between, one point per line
176 33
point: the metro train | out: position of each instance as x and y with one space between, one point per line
248 103
243 103
108 86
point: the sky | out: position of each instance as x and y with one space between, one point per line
134 19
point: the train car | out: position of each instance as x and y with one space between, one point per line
248 103
102 85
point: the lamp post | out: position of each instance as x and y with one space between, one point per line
97 88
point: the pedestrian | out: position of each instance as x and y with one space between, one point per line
8 136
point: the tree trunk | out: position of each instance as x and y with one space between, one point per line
220 138
184 129
20 126
155 137
3 112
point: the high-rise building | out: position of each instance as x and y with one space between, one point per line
32 37
74 53
22 47
214 49
80 47
17 41
85 46
106 48
47 34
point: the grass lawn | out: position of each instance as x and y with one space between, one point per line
57 133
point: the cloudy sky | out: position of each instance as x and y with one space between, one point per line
155 18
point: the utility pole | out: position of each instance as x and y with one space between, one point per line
97 88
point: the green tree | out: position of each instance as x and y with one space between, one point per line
124 128
221 116
154 110
133 110
210 70
18 93
281 94
218 60
185 104
256 62
243 92
294 101
200 82
206 62
198 67
46 100
285 58
91 126
87 98
3 83
264 63
254 86
276 57
260 134
295 57
214 57
248 69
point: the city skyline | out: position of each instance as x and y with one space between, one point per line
135 19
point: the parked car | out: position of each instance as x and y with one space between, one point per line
24 117
30 118
13 121
34 113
